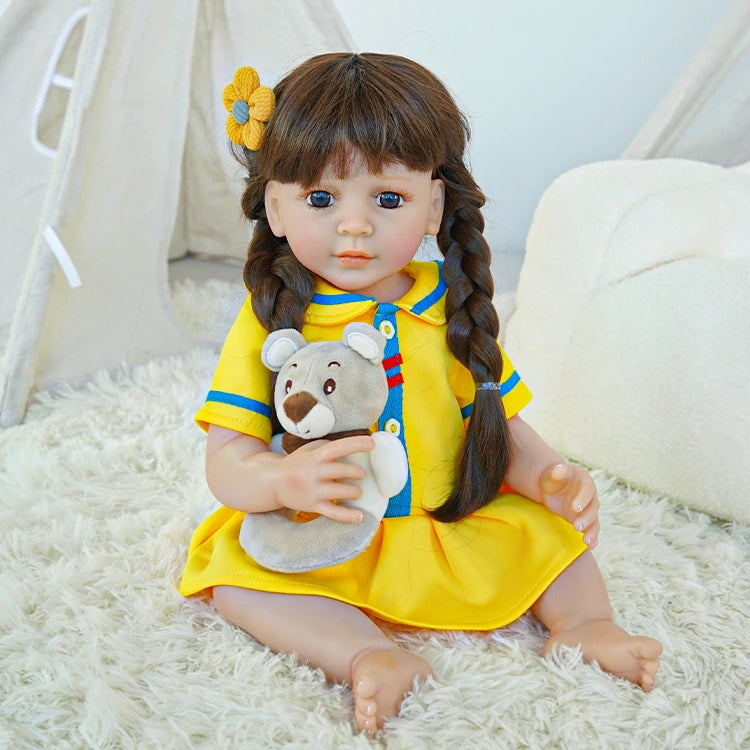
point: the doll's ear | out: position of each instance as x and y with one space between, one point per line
272 199
436 207
366 341
279 346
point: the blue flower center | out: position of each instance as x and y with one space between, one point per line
241 112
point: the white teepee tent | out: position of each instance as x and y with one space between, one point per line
706 114
112 163
114 159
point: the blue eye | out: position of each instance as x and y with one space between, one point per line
320 199
390 200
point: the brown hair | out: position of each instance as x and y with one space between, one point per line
389 110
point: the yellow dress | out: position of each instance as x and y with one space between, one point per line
480 573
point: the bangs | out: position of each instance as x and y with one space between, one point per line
340 107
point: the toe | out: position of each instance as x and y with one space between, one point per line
370 727
648 673
367 708
366 688
650 666
646 648
365 723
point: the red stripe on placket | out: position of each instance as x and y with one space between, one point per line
395 380
392 361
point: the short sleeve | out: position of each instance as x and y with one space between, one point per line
513 390
240 397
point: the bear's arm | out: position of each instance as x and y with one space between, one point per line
389 465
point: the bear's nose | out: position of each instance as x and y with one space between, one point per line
298 405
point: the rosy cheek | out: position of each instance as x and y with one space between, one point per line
407 240
305 245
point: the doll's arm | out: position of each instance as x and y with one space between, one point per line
244 474
540 473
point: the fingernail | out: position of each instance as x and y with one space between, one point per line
579 507
579 525
587 540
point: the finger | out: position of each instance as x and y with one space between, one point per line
340 491
582 499
591 535
342 470
553 479
340 513
336 449
585 523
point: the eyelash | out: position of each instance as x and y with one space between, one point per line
308 199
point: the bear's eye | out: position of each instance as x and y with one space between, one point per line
287 386
329 386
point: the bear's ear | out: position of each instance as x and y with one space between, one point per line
279 346
366 341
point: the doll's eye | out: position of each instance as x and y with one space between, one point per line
287 386
320 199
390 200
329 386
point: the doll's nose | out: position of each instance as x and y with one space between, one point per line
355 224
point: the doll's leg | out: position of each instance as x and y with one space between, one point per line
576 610
333 636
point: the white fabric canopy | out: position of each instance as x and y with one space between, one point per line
122 170
706 114
131 167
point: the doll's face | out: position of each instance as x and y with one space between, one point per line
358 232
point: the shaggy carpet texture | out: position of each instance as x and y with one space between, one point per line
100 490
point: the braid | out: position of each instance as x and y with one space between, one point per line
473 328
281 287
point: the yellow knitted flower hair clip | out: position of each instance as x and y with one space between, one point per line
250 106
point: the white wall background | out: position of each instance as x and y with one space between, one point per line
547 85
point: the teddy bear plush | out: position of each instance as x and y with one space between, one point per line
327 389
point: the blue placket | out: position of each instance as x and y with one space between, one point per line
392 418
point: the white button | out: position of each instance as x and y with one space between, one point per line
387 329
393 426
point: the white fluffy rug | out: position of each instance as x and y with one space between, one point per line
100 489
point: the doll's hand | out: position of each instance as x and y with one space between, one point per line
570 492
312 477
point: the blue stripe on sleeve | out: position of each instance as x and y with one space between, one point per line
505 388
510 384
240 401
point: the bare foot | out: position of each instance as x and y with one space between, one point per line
636 658
380 680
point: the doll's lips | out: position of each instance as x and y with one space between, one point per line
354 258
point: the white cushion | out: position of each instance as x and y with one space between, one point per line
632 326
